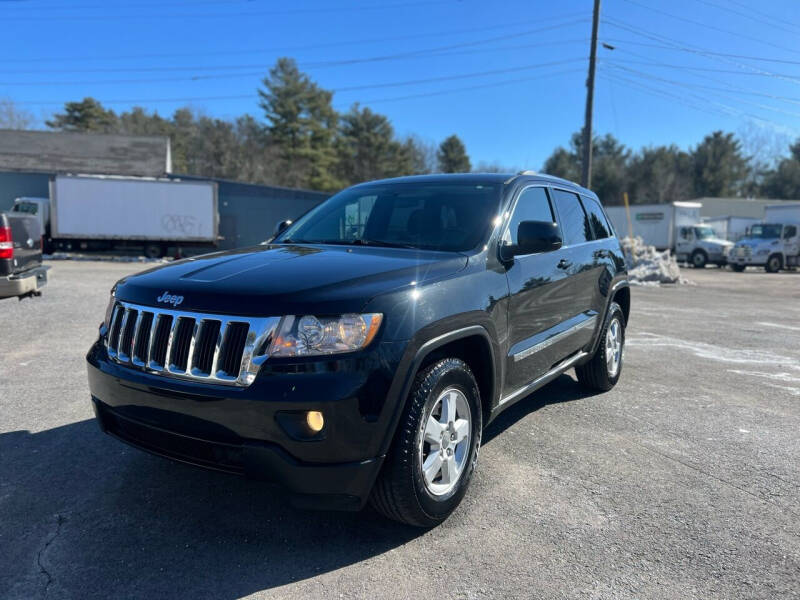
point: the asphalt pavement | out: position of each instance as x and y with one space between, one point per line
682 482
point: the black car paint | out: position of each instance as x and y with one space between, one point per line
428 299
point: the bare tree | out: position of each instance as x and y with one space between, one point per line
14 117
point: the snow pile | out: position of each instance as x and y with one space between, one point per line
648 266
103 258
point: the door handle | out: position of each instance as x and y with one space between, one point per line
564 264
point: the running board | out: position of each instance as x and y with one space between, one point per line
544 379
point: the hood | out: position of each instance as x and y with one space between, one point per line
275 280
717 241
753 242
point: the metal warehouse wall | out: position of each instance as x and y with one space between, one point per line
248 213
13 185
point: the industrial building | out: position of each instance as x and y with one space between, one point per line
29 160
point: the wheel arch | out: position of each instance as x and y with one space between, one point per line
472 344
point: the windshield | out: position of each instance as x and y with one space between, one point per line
452 217
766 232
704 233
30 208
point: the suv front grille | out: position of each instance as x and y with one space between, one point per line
196 346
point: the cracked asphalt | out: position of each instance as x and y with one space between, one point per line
683 481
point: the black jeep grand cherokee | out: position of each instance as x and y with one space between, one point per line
360 354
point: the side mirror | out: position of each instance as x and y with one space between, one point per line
535 236
280 227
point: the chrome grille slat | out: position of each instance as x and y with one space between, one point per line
124 337
135 336
223 326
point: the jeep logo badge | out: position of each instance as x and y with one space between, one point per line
168 298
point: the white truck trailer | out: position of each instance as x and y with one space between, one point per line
676 227
104 213
730 228
773 244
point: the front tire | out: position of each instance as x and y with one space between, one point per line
602 371
774 263
429 467
699 259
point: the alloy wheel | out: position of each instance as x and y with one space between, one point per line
445 441
614 347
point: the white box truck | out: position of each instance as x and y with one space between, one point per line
773 244
676 227
730 228
104 213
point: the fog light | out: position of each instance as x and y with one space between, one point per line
315 420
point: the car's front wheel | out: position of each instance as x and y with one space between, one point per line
428 469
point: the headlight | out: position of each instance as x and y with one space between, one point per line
312 336
110 308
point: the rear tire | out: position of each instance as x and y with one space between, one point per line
602 371
774 263
738 268
403 491
154 251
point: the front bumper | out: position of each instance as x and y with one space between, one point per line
257 431
23 283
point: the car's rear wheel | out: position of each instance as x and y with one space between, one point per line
429 467
602 371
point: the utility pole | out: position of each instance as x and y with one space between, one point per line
586 173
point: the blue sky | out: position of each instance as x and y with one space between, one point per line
507 76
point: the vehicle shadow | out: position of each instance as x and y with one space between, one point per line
85 516
562 389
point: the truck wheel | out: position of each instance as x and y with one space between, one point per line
774 263
738 268
602 372
153 251
699 259
435 449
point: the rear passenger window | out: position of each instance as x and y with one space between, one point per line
597 218
533 205
575 227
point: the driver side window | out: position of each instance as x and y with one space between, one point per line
789 232
533 205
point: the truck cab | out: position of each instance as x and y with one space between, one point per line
774 246
699 245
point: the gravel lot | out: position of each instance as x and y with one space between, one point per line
684 481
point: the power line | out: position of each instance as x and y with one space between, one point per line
712 27
436 51
289 49
746 16
222 15
249 74
711 88
710 52
252 96
698 51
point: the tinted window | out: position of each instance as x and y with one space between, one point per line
533 205
575 228
452 217
597 218
789 232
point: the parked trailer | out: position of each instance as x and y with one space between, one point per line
730 228
676 227
103 213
